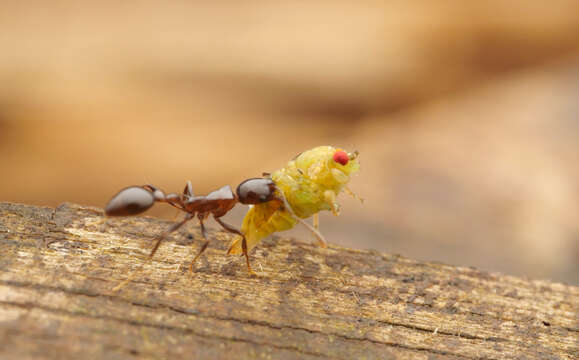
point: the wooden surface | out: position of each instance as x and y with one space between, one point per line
59 266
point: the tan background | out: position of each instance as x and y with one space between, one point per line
466 114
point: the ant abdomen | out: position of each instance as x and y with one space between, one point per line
256 191
130 201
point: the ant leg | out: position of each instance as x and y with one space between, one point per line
316 221
171 199
245 252
203 247
233 230
150 257
173 227
175 201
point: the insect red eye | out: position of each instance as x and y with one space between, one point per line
341 157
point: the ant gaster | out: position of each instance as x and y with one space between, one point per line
134 200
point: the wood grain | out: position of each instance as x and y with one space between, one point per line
59 266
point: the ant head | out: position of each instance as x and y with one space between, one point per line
130 201
256 191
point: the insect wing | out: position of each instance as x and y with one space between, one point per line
260 221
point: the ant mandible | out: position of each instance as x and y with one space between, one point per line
134 200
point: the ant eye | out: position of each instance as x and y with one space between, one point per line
341 157
256 191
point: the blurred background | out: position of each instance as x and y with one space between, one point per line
466 114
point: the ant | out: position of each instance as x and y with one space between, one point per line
134 200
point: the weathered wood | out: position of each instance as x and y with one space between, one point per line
59 266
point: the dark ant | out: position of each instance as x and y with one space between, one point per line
134 200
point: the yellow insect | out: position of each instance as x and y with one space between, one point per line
307 185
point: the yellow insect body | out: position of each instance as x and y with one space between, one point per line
309 183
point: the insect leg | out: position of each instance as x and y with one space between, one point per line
233 230
316 221
330 198
173 227
203 247
321 241
352 194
